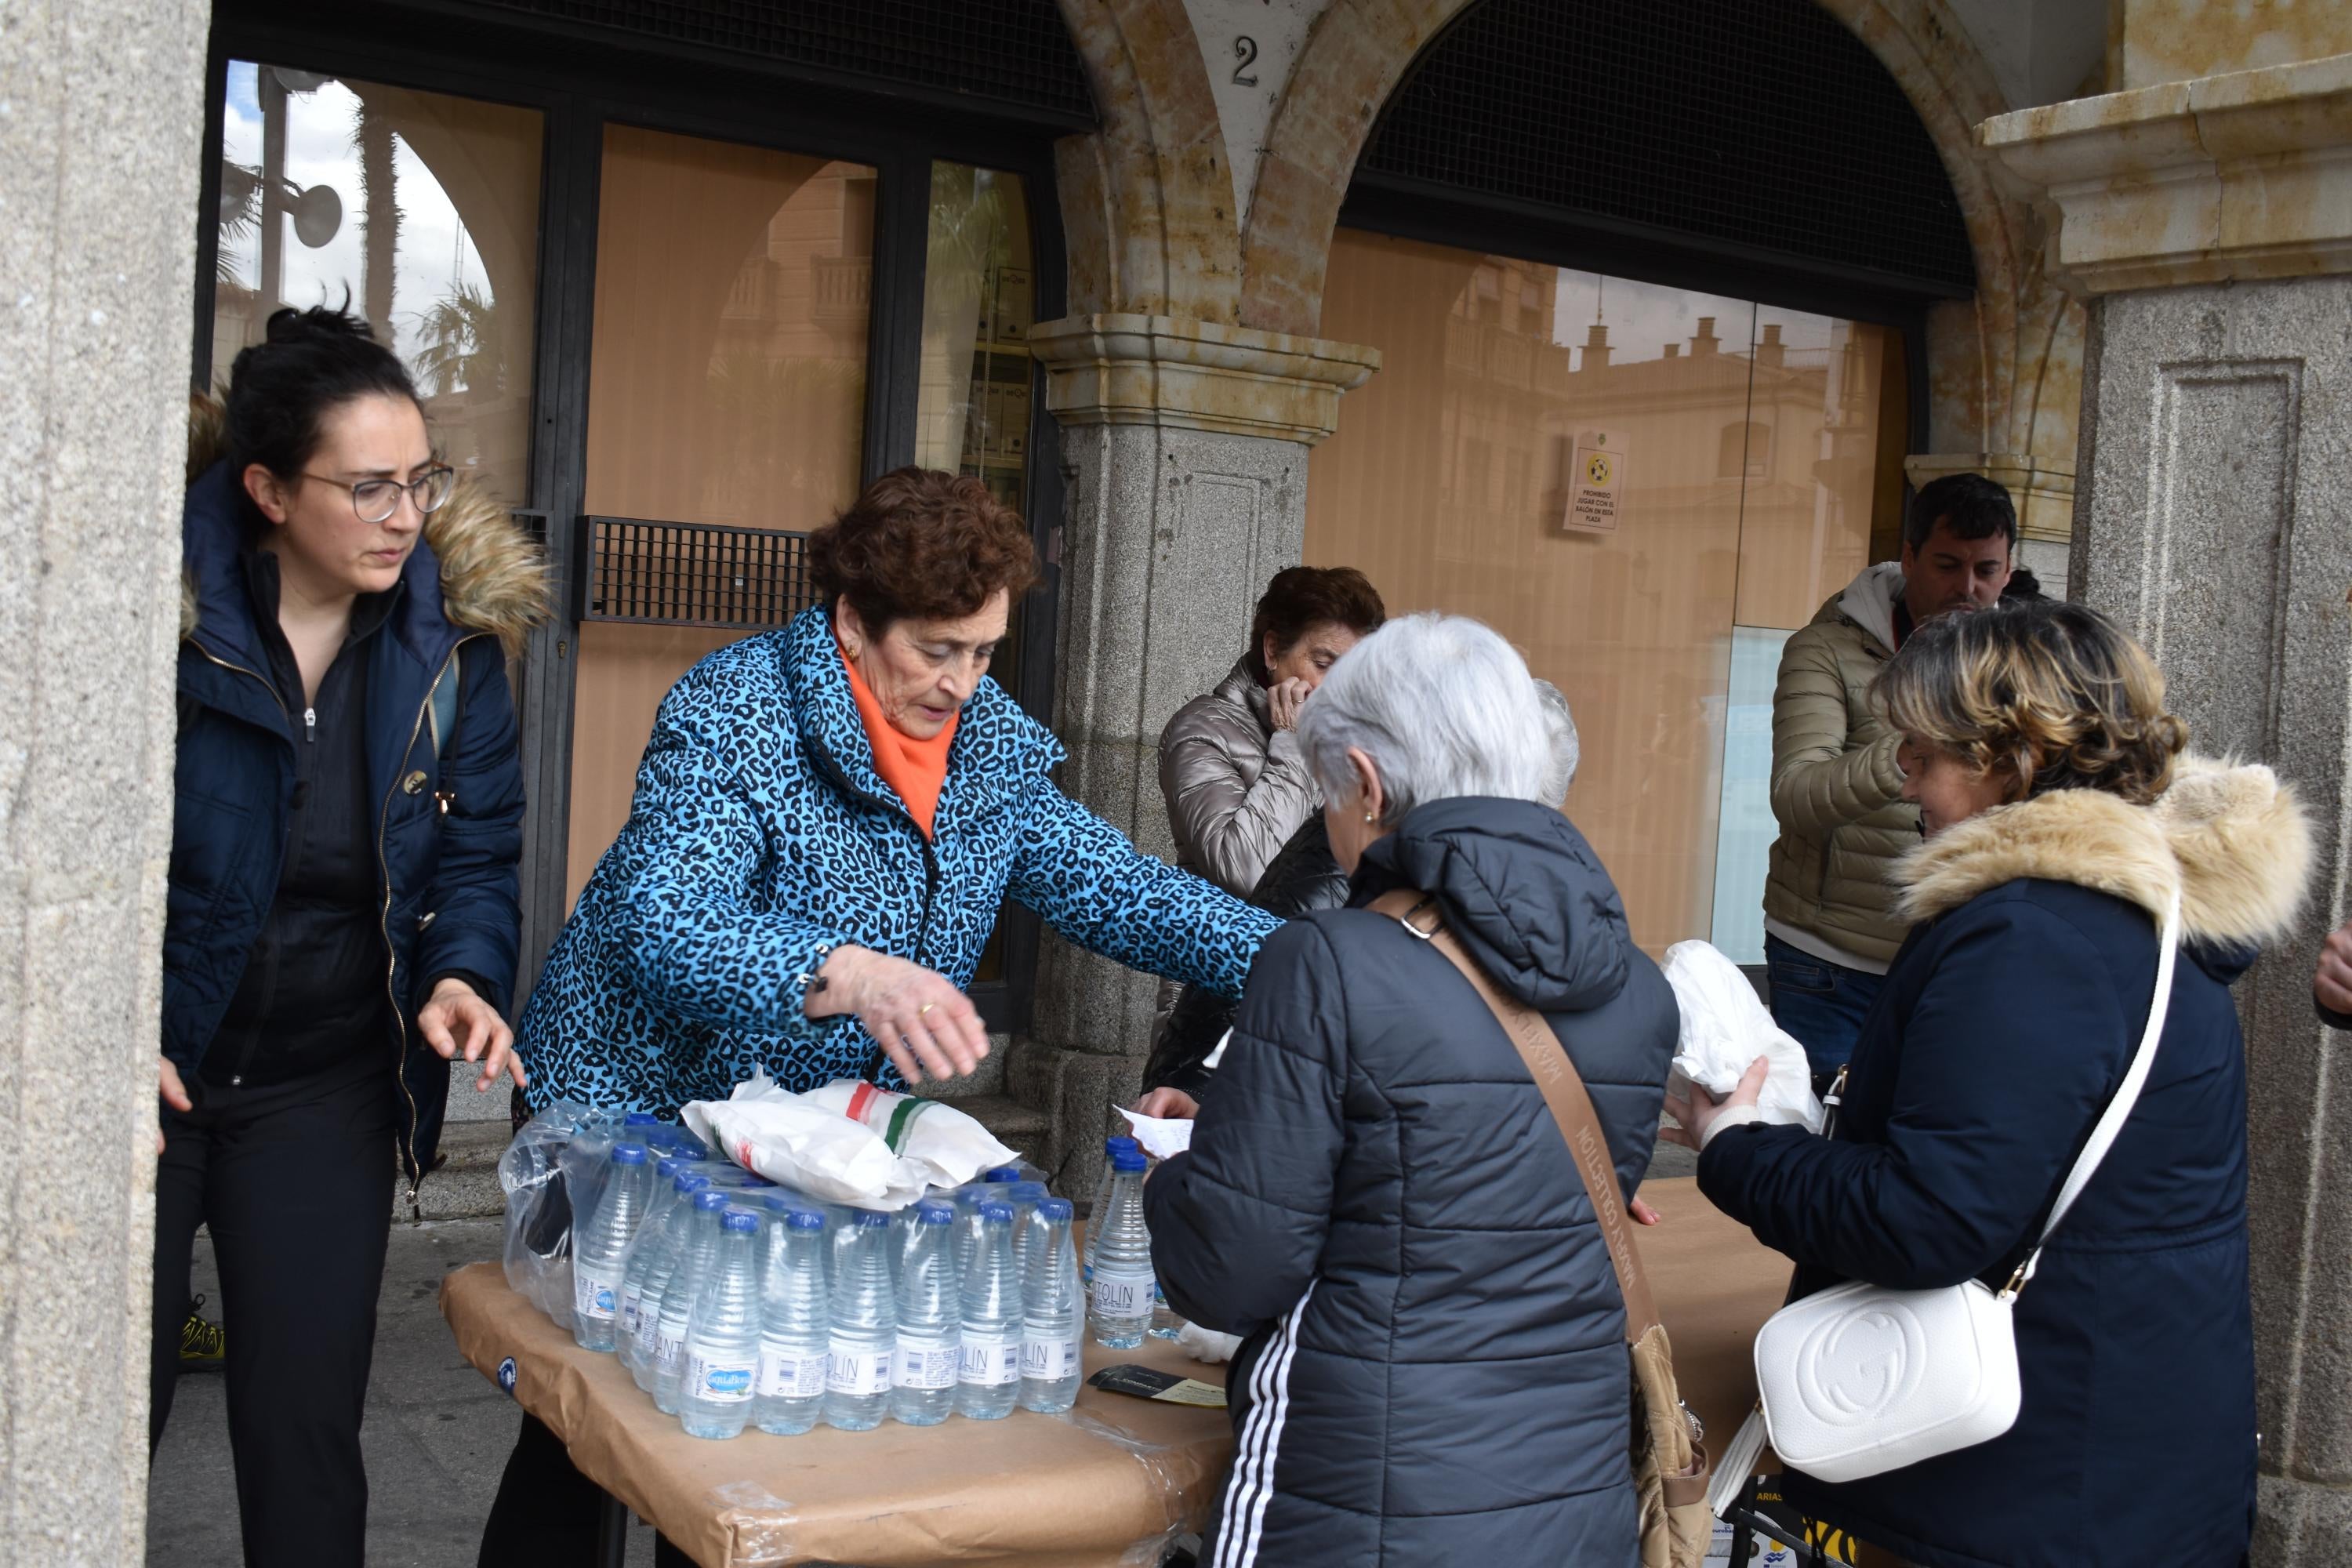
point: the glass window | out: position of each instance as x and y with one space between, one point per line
977 382
1643 488
726 386
420 209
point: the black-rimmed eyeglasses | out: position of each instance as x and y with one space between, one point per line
375 500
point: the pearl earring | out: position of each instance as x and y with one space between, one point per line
1370 820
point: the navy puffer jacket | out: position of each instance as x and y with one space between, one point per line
449 827
2006 1024
1377 1197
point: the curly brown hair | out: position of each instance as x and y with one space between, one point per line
2046 694
920 544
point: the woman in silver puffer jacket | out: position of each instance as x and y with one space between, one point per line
1236 786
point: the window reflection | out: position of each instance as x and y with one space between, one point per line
420 209
1742 442
973 399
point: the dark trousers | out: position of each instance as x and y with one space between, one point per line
1820 1003
295 1181
546 1514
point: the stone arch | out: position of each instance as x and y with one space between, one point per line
2005 366
1146 201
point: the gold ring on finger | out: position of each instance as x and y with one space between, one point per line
925 1008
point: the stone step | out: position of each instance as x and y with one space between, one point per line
466 1185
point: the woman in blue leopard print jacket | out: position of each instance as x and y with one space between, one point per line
827 820
778 901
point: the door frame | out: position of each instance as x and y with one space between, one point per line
579 79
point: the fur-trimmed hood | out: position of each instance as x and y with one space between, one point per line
2228 835
493 575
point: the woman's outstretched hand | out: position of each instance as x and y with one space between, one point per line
923 1024
1170 1104
1699 1113
457 1019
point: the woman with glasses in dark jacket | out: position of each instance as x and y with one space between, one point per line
341 913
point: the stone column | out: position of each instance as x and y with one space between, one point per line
2211 224
101 108
1184 461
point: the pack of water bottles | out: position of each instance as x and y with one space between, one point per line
734 1301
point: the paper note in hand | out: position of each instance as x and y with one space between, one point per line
1159 1135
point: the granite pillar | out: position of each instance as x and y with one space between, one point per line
1184 452
101 108
2209 224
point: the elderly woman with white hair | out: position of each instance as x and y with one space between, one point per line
1377 1197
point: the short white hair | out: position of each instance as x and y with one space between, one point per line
1442 706
1560 734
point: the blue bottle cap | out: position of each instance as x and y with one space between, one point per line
641 1119
1054 1208
670 1166
738 1219
1004 1174
756 1180
1114 1144
691 1181
996 1214
868 1219
803 1219
929 1213
710 1198
1026 1192
1129 1160
628 1154
691 1147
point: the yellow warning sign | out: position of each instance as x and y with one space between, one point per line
1596 483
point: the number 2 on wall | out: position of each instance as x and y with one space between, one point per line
1245 51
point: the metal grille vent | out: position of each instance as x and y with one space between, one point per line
1761 121
1013 51
692 575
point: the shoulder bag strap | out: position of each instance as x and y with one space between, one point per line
2119 1109
1563 1091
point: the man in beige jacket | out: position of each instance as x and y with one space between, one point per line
1830 922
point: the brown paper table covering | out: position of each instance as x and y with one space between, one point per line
1074 1492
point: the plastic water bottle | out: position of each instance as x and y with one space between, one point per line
1111 1146
865 1327
990 1380
967 1200
1024 1197
722 1336
795 1339
600 1247
1052 1303
1165 1323
931 1322
650 1262
696 1248
1119 1308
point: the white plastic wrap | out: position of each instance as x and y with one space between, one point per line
825 1143
1726 1027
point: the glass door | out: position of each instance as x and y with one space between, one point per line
421 211
726 420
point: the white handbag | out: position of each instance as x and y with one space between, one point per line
1858 1380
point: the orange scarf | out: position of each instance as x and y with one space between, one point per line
917 770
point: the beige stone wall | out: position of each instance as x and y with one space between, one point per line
2156 41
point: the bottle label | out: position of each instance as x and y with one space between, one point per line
1049 1359
857 1370
592 1293
670 1354
788 1374
925 1363
632 1300
717 1376
1116 1296
991 1363
648 1331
